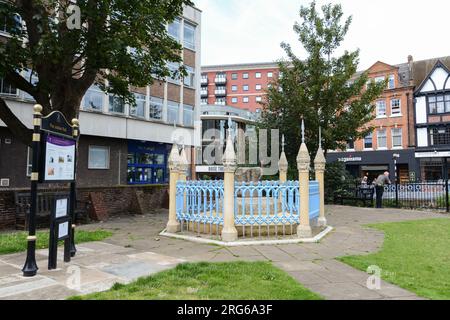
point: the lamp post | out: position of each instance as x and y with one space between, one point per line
395 156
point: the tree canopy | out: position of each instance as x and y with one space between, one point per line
68 48
323 87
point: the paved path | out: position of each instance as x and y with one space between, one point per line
136 249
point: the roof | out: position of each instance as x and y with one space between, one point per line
421 69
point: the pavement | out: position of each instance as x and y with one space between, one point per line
136 250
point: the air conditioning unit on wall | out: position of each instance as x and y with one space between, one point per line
4 182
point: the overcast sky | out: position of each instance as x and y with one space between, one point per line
242 31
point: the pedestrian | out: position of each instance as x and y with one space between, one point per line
364 182
380 182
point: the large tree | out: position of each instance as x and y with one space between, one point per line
324 87
121 42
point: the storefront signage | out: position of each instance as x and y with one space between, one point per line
436 154
350 159
211 169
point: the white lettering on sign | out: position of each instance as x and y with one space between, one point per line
350 159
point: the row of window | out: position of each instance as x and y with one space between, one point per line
439 103
188 80
245 87
381 109
174 30
234 76
396 135
234 100
390 81
94 99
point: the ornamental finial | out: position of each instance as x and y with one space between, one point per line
283 143
303 130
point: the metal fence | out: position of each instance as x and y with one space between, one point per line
432 195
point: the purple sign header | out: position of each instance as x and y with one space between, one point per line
60 141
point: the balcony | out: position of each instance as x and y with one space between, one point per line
220 103
204 81
220 80
220 92
204 93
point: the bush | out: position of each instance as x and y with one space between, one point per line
338 181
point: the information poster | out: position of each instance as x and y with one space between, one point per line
61 208
59 159
63 230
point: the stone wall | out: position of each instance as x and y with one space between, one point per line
104 202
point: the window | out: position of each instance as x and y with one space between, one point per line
173 68
245 87
172 111
234 88
269 74
189 35
94 98
381 108
155 108
368 144
245 75
258 87
29 161
116 104
258 99
98 157
379 79
7 88
34 80
245 99
439 103
382 139
220 101
234 76
440 136
204 101
258 75
139 109
397 138
234 100
7 26
188 115
350 145
189 80
269 86
391 83
395 107
174 29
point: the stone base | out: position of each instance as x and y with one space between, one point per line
173 227
229 234
321 222
304 231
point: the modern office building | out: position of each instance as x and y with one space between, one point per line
238 85
120 144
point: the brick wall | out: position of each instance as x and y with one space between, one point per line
105 202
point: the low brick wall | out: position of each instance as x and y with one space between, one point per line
104 202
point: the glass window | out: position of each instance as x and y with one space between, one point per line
269 74
94 98
234 88
379 79
396 138
173 68
245 87
34 81
258 75
139 109
220 101
98 157
234 100
439 103
368 144
258 87
188 115
204 101
258 99
7 88
234 76
382 139
172 111
381 108
245 99
391 83
245 75
350 145
395 107
155 108
189 35
174 29
189 80
116 104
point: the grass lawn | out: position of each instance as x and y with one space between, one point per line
203 281
17 241
415 256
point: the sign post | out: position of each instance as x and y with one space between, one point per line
54 160
59 230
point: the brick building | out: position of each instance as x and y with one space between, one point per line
119 144
238 85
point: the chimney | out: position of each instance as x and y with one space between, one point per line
410 65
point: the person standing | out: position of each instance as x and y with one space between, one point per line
380 182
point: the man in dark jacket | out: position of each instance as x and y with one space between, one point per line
380 182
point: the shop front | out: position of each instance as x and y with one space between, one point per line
434 165
374 163
147 162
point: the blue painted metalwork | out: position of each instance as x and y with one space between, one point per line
314 200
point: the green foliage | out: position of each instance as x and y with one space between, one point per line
129 38
322 88
415 255
338 181
205 281
17 241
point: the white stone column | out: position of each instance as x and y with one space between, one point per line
229 231
174 166
303 165
319 166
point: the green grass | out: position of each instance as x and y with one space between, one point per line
203 281
415 256
17 241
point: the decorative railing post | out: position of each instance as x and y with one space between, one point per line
283 164
303 165
319 167
174 166
183 168
229 231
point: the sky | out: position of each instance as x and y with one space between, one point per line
247 31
